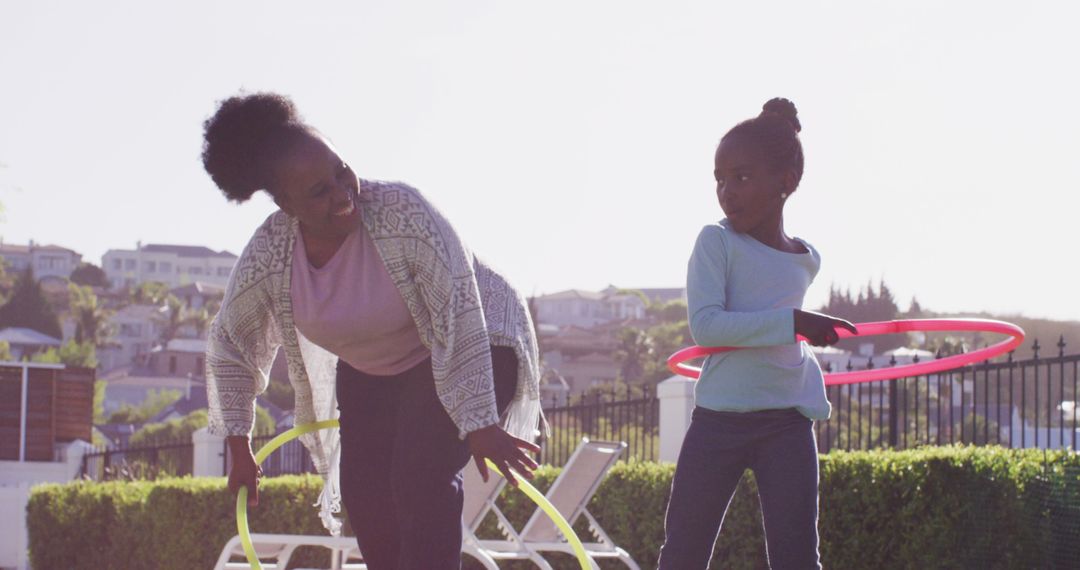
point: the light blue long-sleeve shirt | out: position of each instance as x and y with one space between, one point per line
741 292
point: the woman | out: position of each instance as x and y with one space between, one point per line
428 354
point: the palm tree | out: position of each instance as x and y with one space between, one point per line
176 318
150 293
91 319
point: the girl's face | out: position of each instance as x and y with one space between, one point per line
749 191
316 186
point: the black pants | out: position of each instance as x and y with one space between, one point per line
779 446
401 462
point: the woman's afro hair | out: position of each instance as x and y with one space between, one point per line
243 137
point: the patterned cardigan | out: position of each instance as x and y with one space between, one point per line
460 306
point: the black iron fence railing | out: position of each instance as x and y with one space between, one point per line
632 417
1013 403
291 458
138 462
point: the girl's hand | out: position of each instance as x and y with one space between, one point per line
819 329
245 472
505 450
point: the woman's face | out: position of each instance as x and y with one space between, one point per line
315 185
748 190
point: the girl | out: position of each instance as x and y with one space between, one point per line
755 406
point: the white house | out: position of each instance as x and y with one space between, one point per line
173 265
581 372
587 308
25 342
46 260
198 294
137 329
179 365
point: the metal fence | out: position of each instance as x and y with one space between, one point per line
291 458
629 416
138 462
632 416
1012 403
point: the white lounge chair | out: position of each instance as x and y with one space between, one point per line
479 500
570 493
275 550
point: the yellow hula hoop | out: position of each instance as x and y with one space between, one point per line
286 436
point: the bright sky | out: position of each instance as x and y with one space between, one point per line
570 142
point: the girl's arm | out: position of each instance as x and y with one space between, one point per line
711 324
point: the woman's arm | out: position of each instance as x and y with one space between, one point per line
232 383
461 347
241 345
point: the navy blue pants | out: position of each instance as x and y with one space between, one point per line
401 462
779 446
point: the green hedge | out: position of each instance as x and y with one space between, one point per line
951 507
179 523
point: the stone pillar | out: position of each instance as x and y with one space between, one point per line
676 406
72 455
208 454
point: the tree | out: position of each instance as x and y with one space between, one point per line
91 319
150 293
71 353
155 401
171 431
7 282
180 429
633 352
28 308
869 306
670 312
5 351
281 394
99 402
176 318
914 311
667 339
198 318
89 275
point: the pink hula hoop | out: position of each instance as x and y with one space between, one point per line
676 363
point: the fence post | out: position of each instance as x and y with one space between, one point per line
894 413
676 396
74 454
208 458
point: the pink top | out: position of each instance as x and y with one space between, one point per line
351 308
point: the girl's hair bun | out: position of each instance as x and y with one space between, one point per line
784 109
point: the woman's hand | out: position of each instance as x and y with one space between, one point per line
245 472
505 450
819 329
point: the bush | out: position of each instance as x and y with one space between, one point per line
951 507
178 523
180 429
